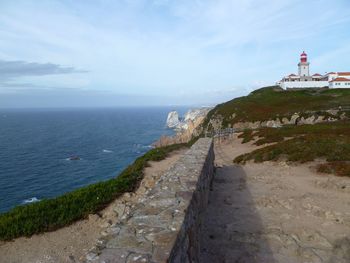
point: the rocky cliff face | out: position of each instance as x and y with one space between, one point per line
191 118
310 118
173 120
186 128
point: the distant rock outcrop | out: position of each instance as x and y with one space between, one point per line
189 119
173 120
186 127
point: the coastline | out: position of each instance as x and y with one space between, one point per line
71 243
36 147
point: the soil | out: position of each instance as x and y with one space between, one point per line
274 212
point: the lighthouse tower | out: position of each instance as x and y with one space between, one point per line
303 65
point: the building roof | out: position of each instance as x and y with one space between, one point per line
330 73
293 76
340 80
316 75
344 73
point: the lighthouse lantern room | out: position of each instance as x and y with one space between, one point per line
303 65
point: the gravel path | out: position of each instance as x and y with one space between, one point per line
274 212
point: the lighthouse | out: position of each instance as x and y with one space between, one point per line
304 80
303 65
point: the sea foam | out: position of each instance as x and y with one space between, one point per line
31 200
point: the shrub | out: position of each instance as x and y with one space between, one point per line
247 135
272 102
303 149
337 167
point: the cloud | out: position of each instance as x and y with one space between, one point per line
11 73
15 69
159 47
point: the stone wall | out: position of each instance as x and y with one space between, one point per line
165 223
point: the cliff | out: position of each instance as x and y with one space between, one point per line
186 127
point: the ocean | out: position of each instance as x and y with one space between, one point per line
37 148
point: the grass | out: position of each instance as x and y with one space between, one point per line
270 135
51 214
330 141
273 102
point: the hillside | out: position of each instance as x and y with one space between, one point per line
273 118
273 103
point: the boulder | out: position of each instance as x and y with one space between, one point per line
173 120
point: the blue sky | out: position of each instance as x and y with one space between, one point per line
161 52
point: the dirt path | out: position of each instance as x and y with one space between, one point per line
274 212
70 244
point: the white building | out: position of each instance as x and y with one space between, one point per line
304 80
340 82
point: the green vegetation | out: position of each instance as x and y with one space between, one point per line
274 102
270 135
299 143
51 214
247 135
330 141
337 167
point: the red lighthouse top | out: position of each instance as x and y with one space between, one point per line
303 57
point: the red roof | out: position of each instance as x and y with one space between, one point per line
303 54
340 79
344 73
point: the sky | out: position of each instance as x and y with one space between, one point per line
108 53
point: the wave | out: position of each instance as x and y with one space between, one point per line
74 158
31 200
107 151
141 146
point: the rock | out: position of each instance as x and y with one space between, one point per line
285 121
105 225
191 117
319 119
172 119
343 116
294 118
186 128
74 158
91 256
119 209
274 123
194 114
137 258
333 112
216 123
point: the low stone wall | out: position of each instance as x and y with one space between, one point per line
165 224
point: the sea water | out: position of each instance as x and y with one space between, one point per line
46 153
